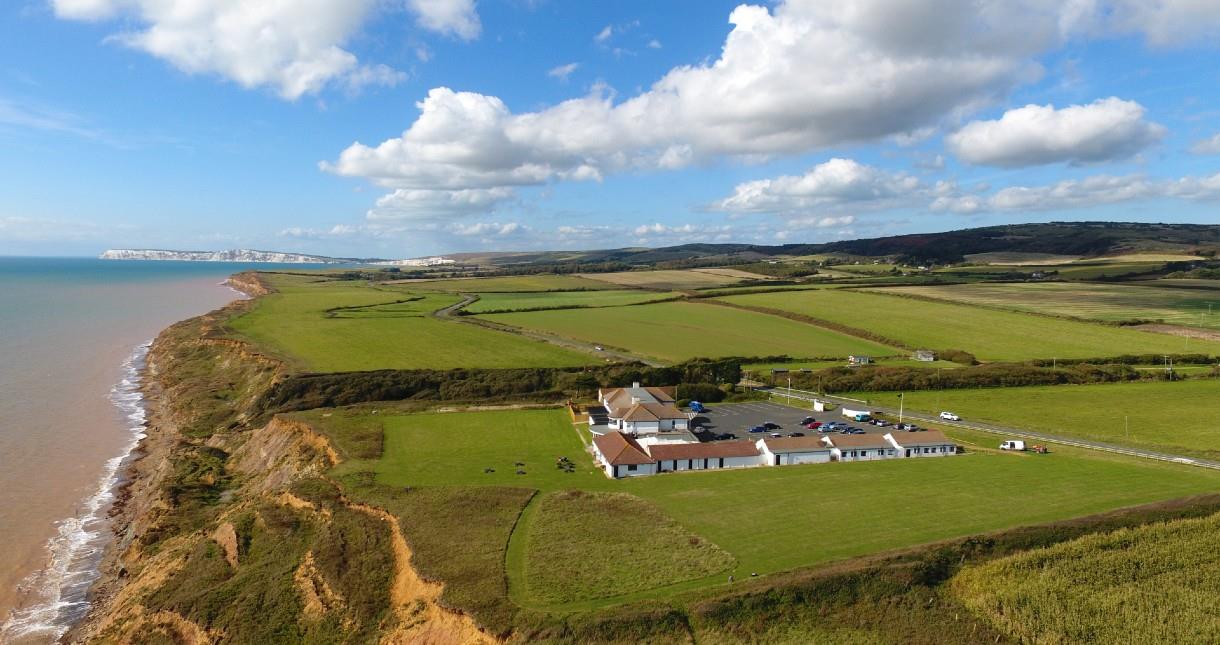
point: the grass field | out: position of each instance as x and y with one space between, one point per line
989 334
1181 416
1155 584
772 519
1097 301
676 331
585 546
664 279
560 299
508 284
343 326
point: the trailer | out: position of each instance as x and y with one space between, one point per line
857 415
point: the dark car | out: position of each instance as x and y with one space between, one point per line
758 429
796 434
771 426
726 436
857 431
806 421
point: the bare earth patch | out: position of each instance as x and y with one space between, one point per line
1185 332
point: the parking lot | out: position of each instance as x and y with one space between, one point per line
738 418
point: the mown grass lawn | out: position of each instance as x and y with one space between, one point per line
676 331
559 299
372 330
987 333
1182 416
1109 302
777 519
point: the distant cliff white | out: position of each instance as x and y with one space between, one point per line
235 255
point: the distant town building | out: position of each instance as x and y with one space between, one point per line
858 360
925 355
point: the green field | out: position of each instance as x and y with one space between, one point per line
665 279
676 331
348 326
768 519
523 301
1181 416
988 334
1155 584
1096 301
508 284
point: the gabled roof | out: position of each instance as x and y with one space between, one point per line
621 450
652 412
796 444
925 438
620 399
713 450
851 441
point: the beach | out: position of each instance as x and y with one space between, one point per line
73 337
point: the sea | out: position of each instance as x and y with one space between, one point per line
74 333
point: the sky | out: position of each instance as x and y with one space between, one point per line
407 128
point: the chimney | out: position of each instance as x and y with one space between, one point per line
636 384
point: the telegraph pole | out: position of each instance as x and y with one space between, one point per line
900 408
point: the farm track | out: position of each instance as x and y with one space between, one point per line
449 313
1009 431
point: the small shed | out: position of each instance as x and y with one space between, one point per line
858 360
925 355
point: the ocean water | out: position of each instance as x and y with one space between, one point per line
73 336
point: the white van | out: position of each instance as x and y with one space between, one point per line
1013 444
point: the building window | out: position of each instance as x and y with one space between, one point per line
631 467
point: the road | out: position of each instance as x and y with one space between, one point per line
1018 433
610 354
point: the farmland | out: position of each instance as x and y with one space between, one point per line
666 280
676 331
1173 416
1153 584
522 301
509 284
450 451
989 334
1107 302
345 326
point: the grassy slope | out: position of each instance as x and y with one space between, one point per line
989 334
1174 416
775 519
677 331
1111 302
1152 584
553 300
583 546
668 279
294 323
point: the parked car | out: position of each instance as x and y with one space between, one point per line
776 435
856 431
726 436
796 434
806 421
949 416
813 426
696 406
771 426
758 429
881 423
1013 444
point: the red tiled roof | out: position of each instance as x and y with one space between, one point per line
795 444
716 450
652 412
621 450
860 441
926 438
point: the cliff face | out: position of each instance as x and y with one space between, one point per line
235 255
230 531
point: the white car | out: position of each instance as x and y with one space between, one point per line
949 416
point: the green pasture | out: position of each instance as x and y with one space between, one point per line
508 284
332 326
563 299
676 331
1181 416
1097 301
767 519
669 279
987 333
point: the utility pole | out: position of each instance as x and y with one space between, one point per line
900 408
790 389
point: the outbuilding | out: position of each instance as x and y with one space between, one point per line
705 456
621 456
929 443
860 447
784 451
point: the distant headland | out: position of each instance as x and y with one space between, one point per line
254 255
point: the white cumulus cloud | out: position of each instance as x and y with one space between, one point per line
562 72
1105 130
1088 192
833 183
1208 146
454 17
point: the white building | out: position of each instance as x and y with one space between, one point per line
860 447
930 443
705 456
621 456
784 451
648 413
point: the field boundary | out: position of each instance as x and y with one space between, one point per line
810 320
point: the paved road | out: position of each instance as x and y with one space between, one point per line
1001 430
449 313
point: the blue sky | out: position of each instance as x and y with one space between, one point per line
400 128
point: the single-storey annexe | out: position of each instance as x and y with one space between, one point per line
620 456
930 443
705 456
786 451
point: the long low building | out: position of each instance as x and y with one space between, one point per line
621 455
